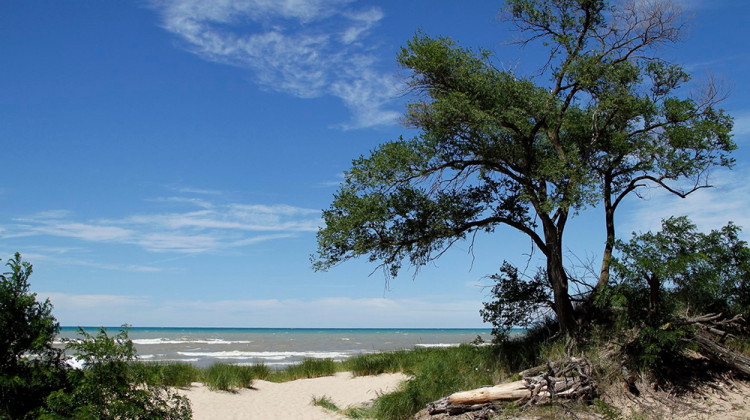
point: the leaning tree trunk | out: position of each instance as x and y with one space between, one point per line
563 306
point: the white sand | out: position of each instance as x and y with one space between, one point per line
289 400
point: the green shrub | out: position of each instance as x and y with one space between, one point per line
111 385
30 368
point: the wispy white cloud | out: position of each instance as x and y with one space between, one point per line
741 128
212 227
86 263
306 48
711 208
198 191
336 183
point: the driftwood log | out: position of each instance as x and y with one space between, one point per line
711 331
572 379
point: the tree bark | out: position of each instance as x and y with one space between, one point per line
558 280
722 355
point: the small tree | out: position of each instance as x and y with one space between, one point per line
30 368
663 278
681 268
517 302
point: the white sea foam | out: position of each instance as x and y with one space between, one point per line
438 345
193 359
74 363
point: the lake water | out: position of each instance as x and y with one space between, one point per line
277 347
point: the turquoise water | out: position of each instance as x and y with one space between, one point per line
277 347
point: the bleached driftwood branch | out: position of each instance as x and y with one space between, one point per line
572 380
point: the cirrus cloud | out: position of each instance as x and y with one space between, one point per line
305 48
210 228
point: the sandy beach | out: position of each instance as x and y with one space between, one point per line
289 400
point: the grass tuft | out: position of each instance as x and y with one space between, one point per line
179 374
224 377
325 402
377 363
308 368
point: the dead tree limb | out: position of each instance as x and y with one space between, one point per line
570 380
711 331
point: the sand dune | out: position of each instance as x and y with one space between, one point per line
289 400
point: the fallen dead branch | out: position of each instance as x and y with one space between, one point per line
711 331
570 380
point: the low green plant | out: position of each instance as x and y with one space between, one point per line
225 377
440 372
658 277
178 374
607 411
308 368
325 402
377 363
358 412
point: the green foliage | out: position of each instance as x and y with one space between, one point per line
110 385
437 373
35 383
224 377
177 374
656 347
517 302
325 402
308 368
377 363
30 368
680 267
497 149
673 271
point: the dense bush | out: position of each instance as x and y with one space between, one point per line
30 368
517 302
111 385
660 277
36 383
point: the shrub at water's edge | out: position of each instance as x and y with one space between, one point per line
35 383
111 385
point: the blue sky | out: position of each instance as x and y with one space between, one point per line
165 162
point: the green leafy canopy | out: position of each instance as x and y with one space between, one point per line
495 148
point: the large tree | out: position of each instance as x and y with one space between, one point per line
496 148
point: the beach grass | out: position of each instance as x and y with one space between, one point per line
325 402
179 374
437 373
308 368
377 363
434 372
225 377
